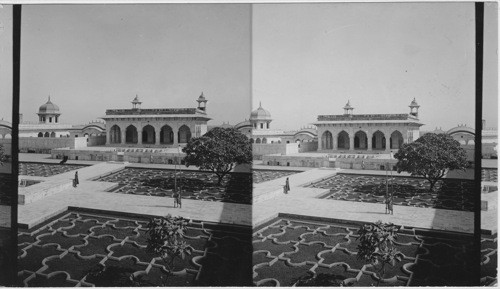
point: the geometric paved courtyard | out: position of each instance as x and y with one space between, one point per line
287 250
69 250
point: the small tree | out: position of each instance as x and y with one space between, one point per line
166 240
218 151
431 156
376 246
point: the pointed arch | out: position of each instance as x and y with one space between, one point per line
184 134
148 134
327 140
131 134
166 135
115 134
396 139
343 140
360 140
378 140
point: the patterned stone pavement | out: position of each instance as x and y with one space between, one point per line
287 250
66 249
45 170
450 194
489 175
489 259
260 176
235 187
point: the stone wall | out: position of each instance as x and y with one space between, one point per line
96 140
308 147
258 150
365 164
354 161
147 156
46 144
296 161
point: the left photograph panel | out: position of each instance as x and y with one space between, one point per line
131 170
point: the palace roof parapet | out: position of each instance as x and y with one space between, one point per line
155 111
367 117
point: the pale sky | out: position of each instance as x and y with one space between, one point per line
90 58
310 59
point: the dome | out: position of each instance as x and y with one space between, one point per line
48 108
260 114
242 125
414 103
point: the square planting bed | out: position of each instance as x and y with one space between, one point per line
196 185
260 176
449 194
287 250
46 170
65 250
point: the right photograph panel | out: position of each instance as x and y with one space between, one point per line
363 132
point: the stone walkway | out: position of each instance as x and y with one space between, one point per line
268 203
92 195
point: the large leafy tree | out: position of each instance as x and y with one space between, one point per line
218 151
431 156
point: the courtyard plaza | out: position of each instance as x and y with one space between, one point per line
67 233
300 234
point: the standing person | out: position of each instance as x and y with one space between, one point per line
75 181
287 186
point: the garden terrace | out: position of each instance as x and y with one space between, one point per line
450 194
46 170
70 248
287 250
196 185
260 176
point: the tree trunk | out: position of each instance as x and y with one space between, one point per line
220 177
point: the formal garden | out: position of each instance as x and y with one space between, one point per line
292 252
99 249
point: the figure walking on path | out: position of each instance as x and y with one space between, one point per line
178 198
389 203
286 188
75 180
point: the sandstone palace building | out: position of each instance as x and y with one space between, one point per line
367 132
155 127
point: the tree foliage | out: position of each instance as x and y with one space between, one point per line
218 151
431 156
376 246
3 156
166 239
